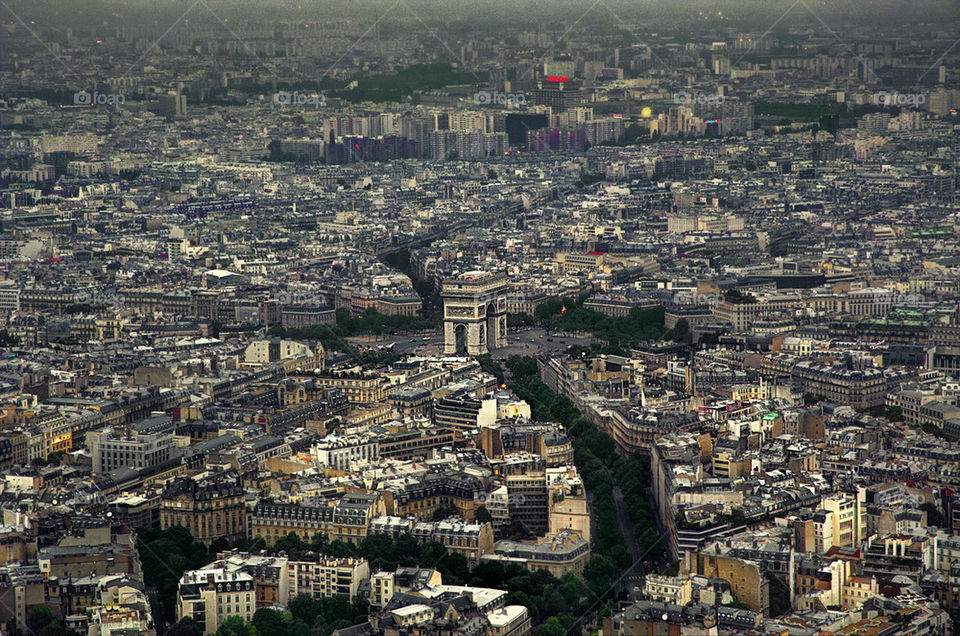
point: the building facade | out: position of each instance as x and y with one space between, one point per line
209 506
210 596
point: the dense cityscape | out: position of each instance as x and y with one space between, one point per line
444 318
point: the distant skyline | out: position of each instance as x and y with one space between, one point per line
696 15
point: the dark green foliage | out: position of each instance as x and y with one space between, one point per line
392 87
41 622
487 364
798 111
432 308
445 512
482 515
418 77
520 320
601 468
680 332
633 132
186 626
379 358
545 595
933 429
737 604
523 367
7 339
540 591
383 553
567 314
270 622
305 615
370 322
53 459
165 555
236 626
290 544
587 179
553 627
893 413
327 611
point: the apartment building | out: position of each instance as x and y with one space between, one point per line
342 453
142 445
269 573
210 596
848 518
559 554
326 577
209 505
347 520
527 498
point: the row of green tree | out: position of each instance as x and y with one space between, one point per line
554 603
165 555
568 314
418 77
305 615
370 322
562 314
391 87
601 468
535 590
